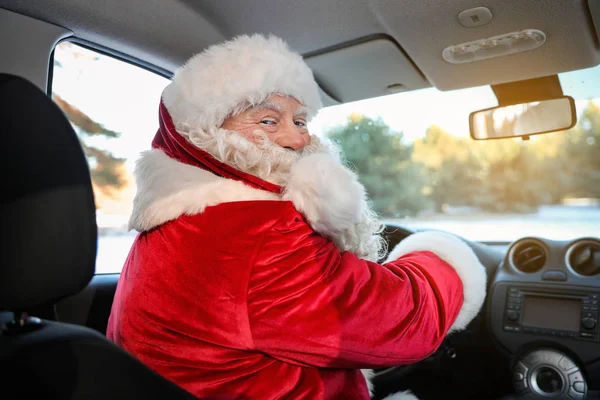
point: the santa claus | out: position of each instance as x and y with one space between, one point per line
254 274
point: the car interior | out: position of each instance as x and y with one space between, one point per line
537 336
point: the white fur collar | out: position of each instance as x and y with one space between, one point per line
328 194
167 189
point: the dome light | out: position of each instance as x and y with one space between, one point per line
496 46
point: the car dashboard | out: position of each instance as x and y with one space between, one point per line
542 309
547 288
541 317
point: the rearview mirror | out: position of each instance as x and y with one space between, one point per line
523 120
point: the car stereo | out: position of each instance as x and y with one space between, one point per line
571 315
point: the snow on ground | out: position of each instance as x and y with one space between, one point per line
551 222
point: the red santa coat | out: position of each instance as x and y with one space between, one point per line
229 293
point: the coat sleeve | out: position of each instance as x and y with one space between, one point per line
311 305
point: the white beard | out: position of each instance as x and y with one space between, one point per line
315 179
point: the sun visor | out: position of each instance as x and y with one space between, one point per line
365 69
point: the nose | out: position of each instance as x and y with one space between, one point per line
296 143
293 138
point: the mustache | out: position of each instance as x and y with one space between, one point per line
262 141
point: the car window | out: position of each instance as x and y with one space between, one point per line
113 107
411 150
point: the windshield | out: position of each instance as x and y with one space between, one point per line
413 153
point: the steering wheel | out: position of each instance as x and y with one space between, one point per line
402 377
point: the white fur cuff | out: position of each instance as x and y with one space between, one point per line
461 257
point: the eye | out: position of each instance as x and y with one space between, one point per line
301 124
268 122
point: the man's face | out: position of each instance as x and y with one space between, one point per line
282 119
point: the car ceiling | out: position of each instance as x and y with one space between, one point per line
165 33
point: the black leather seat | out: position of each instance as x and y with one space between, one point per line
48 236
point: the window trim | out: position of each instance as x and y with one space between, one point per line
116 56
106 52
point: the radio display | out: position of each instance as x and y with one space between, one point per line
552 313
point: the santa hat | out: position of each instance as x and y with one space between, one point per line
227 78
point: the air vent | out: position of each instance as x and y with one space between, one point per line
527 256
583 257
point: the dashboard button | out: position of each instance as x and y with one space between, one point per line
518 376
574 377
512 315
554 275
588 323
579 387
566 364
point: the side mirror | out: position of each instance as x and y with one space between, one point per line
523 120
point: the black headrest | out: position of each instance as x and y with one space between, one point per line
47 212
